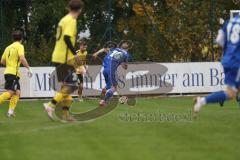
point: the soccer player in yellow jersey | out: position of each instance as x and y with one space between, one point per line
63 53
81 69
12 57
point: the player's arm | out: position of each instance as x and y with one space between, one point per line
69 32
85 65
67 35
3 59
103 50
220 38
67 40
24 61
124 65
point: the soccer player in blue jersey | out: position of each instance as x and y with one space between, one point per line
115 57
229 38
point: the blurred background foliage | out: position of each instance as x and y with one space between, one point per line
162 30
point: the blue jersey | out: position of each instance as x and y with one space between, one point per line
231 42
114 58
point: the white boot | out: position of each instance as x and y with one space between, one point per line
11 113
199 102
49 110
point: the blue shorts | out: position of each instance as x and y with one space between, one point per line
110 78
232 77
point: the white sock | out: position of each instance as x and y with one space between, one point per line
203 101
10 111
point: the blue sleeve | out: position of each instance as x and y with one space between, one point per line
129 58
111 50
224 28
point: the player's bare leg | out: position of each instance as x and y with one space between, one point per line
103 93
80 92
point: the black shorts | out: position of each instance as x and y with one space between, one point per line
65 73
80 78
11 82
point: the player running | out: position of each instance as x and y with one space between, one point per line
114 58
63 55
107 47
229 38
12 57
82 68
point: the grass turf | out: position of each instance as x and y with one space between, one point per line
32 136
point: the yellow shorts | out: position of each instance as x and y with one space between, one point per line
80 70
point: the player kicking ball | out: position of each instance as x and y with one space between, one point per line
114 58
229 38
107 47
12 57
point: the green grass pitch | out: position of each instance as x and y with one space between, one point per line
215 135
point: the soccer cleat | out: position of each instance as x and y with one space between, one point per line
80 99
102 103
11 114
197 106
221 104
49 110
103 93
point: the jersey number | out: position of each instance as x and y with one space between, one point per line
116 55
233 33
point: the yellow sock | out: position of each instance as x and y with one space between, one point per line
13 102
58 97
67 102
5 96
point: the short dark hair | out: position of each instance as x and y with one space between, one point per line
17 35
83 41
75 5
125 44
110 44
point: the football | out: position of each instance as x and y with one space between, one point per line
123 100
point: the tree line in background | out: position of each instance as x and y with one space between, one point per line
162 30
